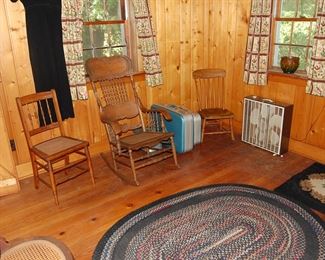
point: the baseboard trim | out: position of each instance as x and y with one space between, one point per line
312 152
24 170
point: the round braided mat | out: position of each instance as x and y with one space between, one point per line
216 222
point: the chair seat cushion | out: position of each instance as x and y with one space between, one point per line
215 113
58 144
140 140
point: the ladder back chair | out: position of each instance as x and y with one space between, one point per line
210 89
50 150
137 136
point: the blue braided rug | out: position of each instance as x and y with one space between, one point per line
216 222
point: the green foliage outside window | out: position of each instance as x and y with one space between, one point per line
103 39
297 8
101 10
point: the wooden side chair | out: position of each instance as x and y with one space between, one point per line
137 136
53 152
210 88
34 248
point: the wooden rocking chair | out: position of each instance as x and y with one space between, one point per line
137 136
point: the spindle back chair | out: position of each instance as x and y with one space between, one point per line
210 91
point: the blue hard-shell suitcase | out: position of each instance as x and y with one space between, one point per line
185 124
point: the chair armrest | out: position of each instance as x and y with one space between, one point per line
166 115
117 128
156 119
163 112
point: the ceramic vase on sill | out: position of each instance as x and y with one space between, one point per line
289 64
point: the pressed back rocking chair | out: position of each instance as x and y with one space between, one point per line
137 136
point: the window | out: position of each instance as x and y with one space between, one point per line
105 31
294 27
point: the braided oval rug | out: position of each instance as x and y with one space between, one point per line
216 222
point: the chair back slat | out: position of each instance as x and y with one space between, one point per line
42 114
39 113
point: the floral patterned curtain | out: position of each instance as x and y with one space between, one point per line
316 69
258 42
148 43
72 44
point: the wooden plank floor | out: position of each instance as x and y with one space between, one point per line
86 212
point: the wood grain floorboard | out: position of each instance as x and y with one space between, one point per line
86 212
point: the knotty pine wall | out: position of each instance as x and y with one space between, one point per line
191 34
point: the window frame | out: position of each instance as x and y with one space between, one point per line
124 9
275 19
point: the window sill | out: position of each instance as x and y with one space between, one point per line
297 74
297 78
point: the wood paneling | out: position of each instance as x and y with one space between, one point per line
8 175
191 34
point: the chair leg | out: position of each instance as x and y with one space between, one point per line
231 129
174 151
53 183
35 171
114 158
90 166
133 168
66 162
146 150
203 129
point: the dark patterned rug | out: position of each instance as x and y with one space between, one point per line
307 187
216 222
